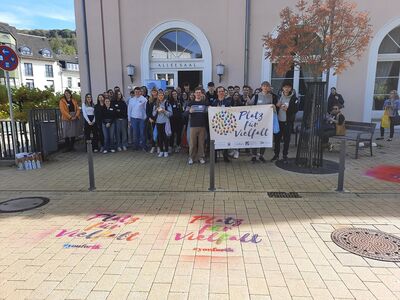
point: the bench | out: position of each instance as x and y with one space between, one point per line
355 131
360 132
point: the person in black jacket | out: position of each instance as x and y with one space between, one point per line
121 121
221 101
286 108
108 121
176 121
335 99
98 109
151 120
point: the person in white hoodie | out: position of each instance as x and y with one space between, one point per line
137 118
90 127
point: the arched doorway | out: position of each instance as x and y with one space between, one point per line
178 52
383 69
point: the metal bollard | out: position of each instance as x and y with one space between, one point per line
89 149
342 161
212 166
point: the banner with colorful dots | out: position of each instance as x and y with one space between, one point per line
241 127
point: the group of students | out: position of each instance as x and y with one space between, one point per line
158 121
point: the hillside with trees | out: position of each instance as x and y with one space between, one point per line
62 41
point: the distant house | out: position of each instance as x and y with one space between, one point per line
39 67
69 67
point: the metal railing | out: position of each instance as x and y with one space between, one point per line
23 137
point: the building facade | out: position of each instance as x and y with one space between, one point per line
38 66
184 41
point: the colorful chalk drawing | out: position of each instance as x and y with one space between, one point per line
217 230
104 225
224 122
84 246
386 173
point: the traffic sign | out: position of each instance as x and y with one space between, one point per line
8 58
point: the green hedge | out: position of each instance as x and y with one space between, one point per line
25 99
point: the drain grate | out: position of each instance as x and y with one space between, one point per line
368 243
283 195
22 204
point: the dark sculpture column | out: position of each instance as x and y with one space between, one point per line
309 150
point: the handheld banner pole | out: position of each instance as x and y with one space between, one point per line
13 129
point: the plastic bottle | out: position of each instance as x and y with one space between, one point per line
26 162
20 164
38 163
33 161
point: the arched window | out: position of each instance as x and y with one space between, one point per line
387 68
46 52
24 50
176 44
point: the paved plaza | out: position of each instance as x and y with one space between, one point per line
151 230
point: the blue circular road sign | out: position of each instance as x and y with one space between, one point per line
8 58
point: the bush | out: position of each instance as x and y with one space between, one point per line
25 99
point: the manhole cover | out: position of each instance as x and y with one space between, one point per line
369 243
283 195
22 204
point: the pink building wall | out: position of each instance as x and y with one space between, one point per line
117 30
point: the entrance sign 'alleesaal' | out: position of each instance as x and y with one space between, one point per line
241 127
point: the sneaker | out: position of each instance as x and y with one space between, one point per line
236 154
161 154
165 154
152 150
389 140
95 150
105 151
379 138
190 161
119 149
177 149
254 159
158 150
202 161
285 160
276 157
112 151
124 148
262 159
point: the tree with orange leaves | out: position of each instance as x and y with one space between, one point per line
324 35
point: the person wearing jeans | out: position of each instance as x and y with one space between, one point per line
264 97
162 111
286 108
137 118
108 118
392 106
90 126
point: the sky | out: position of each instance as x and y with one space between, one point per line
38 14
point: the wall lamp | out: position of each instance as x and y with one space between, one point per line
220 70
130 70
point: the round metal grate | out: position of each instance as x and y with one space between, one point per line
22 204
368 243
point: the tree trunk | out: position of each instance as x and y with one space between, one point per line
309 150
